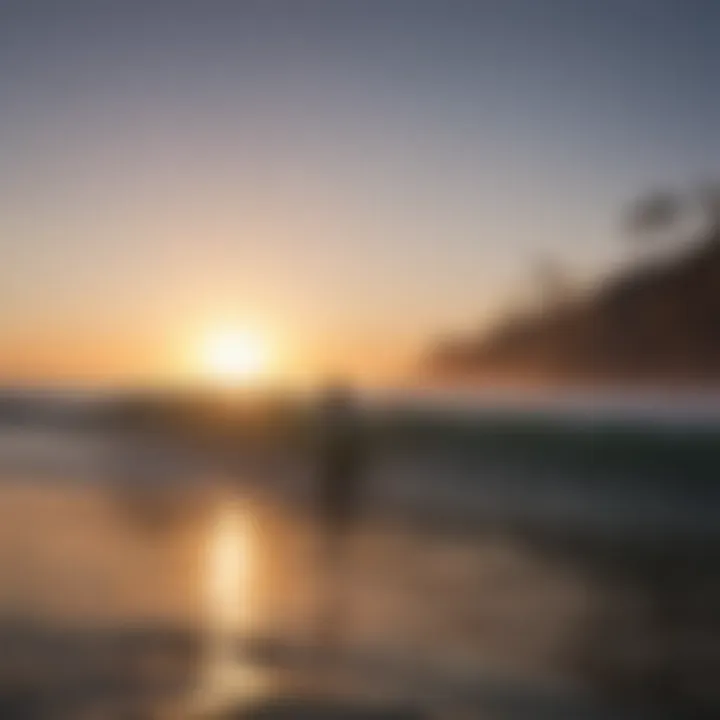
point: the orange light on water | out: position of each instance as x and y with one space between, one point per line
228 572
226 679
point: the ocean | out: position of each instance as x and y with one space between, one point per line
512 559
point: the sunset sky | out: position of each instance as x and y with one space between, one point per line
346 178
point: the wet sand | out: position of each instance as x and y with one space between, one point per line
104 609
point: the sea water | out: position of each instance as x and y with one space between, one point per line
508 558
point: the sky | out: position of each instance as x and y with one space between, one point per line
350 178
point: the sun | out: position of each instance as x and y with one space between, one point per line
234 356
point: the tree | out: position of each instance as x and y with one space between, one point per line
654 214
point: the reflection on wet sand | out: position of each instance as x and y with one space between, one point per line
187 598
227 678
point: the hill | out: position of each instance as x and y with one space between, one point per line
656 323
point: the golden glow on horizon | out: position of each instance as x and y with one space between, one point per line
237 352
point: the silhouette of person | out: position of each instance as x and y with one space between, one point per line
338 501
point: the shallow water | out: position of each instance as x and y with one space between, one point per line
468 584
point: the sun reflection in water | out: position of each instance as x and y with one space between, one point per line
227 677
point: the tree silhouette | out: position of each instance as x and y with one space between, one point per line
655 213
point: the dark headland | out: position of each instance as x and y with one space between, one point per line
657 322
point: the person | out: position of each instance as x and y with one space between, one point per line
338 501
